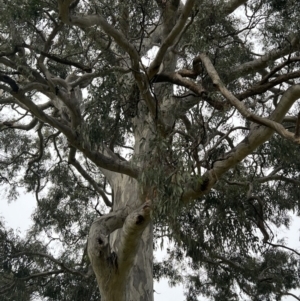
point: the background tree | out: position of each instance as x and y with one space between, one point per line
139 120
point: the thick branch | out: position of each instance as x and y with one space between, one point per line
6 79
91 20
297 130
132 231
177 79
64 7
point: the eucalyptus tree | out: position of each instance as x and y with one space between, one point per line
137 121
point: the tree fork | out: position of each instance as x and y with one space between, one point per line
112 264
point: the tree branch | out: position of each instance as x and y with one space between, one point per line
177 79
40 152
277 178
112 164
297 130
4 289
285 247
290 294
25 127
6 79
63 61
133 228
262 87
42 274
72 160
62 265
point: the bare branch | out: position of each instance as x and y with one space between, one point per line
72 160
42 274
262 87
290 294
63 61
25 127
39 254
278 178
285 247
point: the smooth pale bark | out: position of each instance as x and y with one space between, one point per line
140 279
122 259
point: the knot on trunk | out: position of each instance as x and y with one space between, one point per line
139 219
97 244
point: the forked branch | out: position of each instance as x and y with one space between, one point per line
116 263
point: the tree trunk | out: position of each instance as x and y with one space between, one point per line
140 282
120 244
139 285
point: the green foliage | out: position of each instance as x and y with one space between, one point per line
22 259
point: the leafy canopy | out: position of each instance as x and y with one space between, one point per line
191 118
